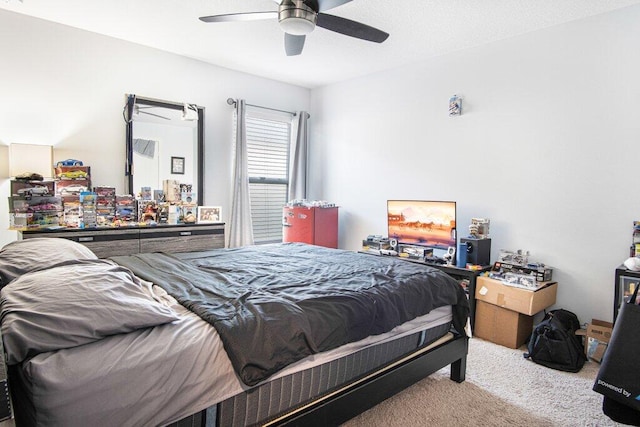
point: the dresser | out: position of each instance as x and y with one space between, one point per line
106 242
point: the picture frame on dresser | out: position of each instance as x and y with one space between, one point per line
209 214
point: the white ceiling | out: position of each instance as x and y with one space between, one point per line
419 29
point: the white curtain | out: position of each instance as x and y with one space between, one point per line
298 157
241 228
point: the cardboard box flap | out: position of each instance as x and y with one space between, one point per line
520 300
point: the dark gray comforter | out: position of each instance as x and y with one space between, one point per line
275 304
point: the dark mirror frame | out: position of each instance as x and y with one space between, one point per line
128 169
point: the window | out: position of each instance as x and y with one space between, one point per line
268 135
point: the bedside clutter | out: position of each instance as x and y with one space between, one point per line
504 314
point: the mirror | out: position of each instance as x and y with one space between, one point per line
165 141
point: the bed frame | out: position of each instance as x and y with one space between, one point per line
368 392
354 398
363 394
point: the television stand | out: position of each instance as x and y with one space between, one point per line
467 278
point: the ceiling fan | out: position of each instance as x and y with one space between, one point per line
298 18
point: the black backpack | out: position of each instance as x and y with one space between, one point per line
554 342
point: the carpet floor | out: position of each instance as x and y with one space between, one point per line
501 389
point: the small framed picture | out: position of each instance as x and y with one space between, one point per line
209 214
177 165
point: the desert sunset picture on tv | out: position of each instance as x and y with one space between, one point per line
422 222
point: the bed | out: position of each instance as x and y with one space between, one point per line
272 334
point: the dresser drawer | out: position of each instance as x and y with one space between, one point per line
105 249
104 244
187 239
107 242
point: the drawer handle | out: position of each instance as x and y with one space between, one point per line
85 239
185 233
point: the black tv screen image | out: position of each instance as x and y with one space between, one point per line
422 223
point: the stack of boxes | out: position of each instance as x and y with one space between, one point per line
71 182
174 204
69 201
126 209
72 212
504 314
506 301
105 205
89 216
33 205
180 204
76 177
189 203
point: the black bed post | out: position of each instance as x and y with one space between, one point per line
459 367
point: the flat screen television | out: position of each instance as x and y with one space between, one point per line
423 223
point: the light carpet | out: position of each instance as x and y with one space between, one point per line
501 389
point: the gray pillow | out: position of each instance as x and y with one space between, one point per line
23 256
75 304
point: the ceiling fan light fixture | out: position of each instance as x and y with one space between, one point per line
297 26
297 18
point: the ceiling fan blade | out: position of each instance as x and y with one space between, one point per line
232 17
351 28
293 44
330 4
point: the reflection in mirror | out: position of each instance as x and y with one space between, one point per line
164 142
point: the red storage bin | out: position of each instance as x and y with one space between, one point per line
312 225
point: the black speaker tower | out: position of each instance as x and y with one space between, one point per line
478 250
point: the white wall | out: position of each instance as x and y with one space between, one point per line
546 148
66 87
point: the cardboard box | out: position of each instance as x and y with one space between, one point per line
523 301
502 326
597 339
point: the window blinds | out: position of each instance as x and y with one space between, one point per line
268 164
